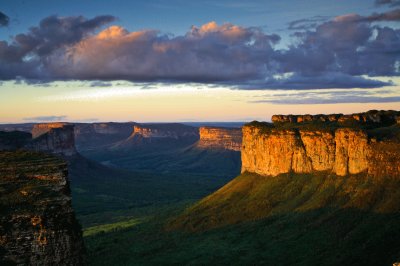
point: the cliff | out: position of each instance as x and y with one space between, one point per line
40 129
97 135
160 134
173 131
374 116
37 225
57 138
220 138
269 150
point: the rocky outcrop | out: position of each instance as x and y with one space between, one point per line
173 131
40 129
342 151
220 138
37 222
159 133
373 116
97 135
57 138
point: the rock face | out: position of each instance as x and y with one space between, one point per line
220 138
40 129
158 133
57 138
96 135
174 131
341 151
373 116
37 225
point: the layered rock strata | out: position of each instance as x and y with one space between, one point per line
374 116
342 151
220 138
57 138
174 131
37 225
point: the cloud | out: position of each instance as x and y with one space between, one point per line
387 2
323 80
99 83
29 53
344 52
330 97
307 23
4 20
51 118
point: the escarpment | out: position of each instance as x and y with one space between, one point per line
374 116
37 225
174 131
160 134
220 138
273 150
57 138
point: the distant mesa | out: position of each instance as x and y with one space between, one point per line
173 130
220 138
55 138
95 135
40 129
159 134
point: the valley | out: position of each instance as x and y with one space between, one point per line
304 191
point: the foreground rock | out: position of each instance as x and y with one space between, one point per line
37 225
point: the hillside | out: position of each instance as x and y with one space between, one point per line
255 220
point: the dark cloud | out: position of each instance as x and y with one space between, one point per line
28 54
337 53
329 97
50 118
4 20
324 80
387 2
307 23
99 83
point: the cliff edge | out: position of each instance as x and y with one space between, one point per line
220 138
372 147
37 225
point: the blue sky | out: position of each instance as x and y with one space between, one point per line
259 57
176 16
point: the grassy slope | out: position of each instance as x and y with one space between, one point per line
255 220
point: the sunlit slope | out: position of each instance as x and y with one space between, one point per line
251 197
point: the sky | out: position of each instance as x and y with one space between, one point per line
182 60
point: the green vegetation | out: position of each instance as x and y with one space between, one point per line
289 220
380 131
104 195
106 228
171 159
